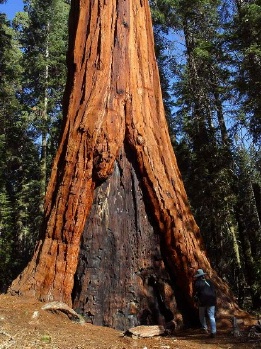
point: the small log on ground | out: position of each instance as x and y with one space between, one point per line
145 331
63 307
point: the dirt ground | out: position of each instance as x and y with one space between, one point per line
24 325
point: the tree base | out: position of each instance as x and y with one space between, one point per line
121 280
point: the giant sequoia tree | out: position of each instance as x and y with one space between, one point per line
119 242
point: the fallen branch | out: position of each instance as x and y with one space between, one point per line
145 331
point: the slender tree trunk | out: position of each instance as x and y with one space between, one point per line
43 162
114 120
250 237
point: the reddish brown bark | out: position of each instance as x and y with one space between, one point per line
113 105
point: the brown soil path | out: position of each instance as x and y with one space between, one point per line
24 325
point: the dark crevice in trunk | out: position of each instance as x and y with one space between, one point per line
121 228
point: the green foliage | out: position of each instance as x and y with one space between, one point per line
13 153
245 40
33 73
163 12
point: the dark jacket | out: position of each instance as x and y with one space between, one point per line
204 292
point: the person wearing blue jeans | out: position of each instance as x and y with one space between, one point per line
205 295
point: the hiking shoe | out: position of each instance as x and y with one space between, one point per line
212 335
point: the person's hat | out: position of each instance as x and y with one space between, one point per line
199 273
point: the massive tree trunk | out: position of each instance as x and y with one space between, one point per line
115 206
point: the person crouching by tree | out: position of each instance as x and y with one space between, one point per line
205 295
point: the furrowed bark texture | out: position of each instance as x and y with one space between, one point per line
121 280
114 113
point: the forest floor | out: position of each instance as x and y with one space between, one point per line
24 325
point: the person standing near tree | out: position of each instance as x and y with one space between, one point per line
205 295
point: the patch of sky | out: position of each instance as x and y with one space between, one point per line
11 7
